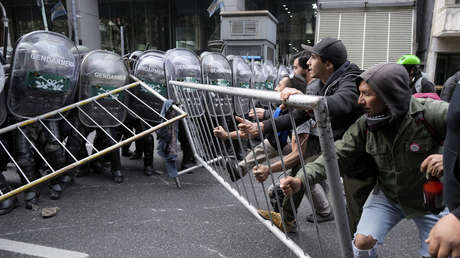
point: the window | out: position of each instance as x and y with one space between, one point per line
446 65
244 27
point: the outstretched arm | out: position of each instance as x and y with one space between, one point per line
261 172
221 133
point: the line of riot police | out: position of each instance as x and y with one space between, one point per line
49 72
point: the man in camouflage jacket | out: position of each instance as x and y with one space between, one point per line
393 132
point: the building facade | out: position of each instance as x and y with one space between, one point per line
374 31
162 24
443 50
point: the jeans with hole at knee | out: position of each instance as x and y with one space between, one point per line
380 215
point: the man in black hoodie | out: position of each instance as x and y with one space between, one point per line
449 86
328 63
394 132
444 238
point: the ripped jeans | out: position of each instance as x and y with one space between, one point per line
380 215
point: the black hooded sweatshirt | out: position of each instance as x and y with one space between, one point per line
451 156
449 87
342 101
393 90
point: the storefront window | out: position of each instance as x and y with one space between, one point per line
447 64
193 26
26 16
145 23
150 22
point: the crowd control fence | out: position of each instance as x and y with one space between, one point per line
230 157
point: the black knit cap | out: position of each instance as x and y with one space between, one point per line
329 48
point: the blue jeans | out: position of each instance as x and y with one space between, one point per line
170 160
380 215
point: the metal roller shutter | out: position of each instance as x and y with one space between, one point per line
401 36
351 33
376 40
329 25
371 36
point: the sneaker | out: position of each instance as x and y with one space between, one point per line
320 218
291 226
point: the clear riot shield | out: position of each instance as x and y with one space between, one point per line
81 51
149 68
184 66
270 75
132 59
259 76
43 74
101 72
242 76
217 71
2 96
282 72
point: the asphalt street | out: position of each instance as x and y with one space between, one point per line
150 217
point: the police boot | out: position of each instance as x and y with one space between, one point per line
81 171
31 198
148 157
117 176
125 152
115 165
188 159
55 191
136 155
66 179
99 166
7 205
148 170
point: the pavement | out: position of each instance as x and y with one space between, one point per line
150 217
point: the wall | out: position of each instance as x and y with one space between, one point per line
87 22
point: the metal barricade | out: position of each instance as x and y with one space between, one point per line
60 113
218 155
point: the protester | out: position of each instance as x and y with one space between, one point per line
444 238
266 149
449 86
418 82
393 133
336 82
